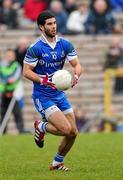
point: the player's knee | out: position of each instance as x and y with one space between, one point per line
74 132
66 130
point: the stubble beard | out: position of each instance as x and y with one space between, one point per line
48 34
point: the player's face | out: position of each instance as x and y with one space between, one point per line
50 27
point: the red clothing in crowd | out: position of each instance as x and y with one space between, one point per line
32 8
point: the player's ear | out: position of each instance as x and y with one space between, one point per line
41 27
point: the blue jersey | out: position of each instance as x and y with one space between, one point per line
47 58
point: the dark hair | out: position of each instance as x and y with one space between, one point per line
9 49
43 17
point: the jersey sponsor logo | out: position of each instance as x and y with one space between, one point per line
53 64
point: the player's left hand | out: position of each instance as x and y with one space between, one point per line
75 81
45 81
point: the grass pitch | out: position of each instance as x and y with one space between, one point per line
93 157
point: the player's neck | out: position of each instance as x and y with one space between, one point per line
49 39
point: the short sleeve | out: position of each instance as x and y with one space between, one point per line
30 57
71 52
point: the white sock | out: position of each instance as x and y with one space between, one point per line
42 126
55 163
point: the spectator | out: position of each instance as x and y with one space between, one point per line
114 54
100 19
8 16
76 19
1 3
19 3
16 3
20 51
1 77
80 117
11 74
117 5
107 125
70 6
114 60
61 16
30 12
63 1
32 8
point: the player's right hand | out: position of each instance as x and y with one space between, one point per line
75 81
45 81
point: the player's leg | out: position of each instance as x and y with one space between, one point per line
57 122
68 141
65 145
55 128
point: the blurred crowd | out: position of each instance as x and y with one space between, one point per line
114 60
73 17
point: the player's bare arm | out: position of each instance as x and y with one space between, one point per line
77 68
29 74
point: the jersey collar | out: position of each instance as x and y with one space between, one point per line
43 38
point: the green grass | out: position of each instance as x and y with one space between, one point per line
93 157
